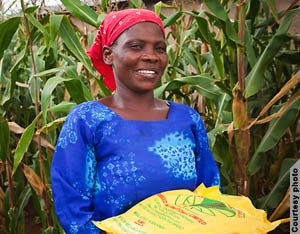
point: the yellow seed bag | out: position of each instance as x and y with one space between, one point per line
204 210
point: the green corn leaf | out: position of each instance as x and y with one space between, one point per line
214 62
251 57
34 83
31 9
275 195
53 126
291 57
157 8
252 9
24 143
39 26
63 107
103 89
54 22
161 5
205 32
212 135
76 87
186 37
50 72
276 130
217 8
81 11
19 59
219 12
78 91
133 3
224 100
72 42
6 95
272 6
172 19
224 158
4 139
190 58
203 84
22 202
103 4
208 90
47 92
254 79
7 30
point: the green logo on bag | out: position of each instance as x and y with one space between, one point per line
208 206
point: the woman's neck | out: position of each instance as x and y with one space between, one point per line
131 101
140 107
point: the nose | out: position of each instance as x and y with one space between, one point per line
150 56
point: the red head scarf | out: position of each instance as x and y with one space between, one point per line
114 24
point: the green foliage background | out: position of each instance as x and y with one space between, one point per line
240 72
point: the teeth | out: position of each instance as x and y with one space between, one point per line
146 71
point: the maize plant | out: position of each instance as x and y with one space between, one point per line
235 61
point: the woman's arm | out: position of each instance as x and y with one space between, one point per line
73 175
207 170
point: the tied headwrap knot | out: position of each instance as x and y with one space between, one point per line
114 24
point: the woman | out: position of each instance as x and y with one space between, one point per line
114 152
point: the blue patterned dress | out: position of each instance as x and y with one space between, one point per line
104 164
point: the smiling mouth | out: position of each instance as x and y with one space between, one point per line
147 72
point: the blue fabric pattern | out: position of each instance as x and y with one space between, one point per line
103 164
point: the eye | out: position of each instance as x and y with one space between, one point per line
136 46
160 49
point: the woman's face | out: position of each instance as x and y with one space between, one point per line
138 57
